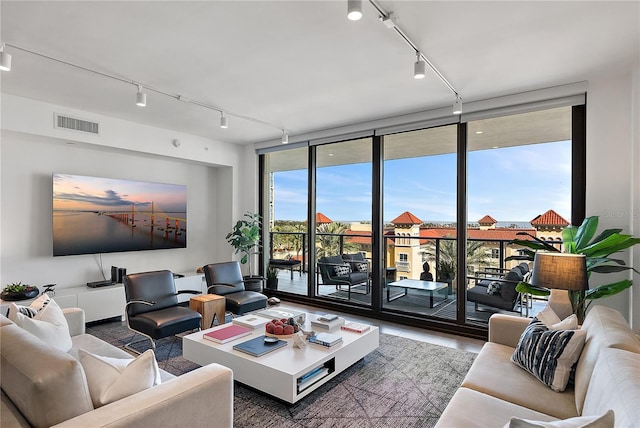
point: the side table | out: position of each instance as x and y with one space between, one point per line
209 305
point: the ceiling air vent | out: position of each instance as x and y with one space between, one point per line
74 124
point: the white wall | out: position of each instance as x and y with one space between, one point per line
612 172
31 150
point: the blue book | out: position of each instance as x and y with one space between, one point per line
258 347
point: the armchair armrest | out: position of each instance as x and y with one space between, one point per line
190 400
506 329
189 292
75 319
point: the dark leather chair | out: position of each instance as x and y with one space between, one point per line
225 279
152 308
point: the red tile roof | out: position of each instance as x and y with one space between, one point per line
550 218
487 220
406 218
322 219
363 238
501 233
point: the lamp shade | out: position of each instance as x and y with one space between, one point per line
560 271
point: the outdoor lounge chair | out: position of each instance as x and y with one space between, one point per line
334 270
497 289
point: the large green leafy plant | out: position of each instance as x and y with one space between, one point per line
245 237
597 249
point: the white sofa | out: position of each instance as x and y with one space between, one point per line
43 386
607 377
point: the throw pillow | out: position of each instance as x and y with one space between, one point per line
552 321
547 354
362 267
28 311
603 421
48 324
111 379
494 288
342 270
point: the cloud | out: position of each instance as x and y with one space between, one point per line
111 198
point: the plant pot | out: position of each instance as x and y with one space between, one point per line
272 283
253 282
10 296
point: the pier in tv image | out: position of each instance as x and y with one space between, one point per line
103 215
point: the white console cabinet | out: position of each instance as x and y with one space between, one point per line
108 302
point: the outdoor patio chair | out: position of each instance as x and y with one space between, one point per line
334 270
497 288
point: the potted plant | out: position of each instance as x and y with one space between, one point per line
19 291
598 249
245 239
272 278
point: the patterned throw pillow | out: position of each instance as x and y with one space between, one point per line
362 267
547 354
494 288
28 311
342 270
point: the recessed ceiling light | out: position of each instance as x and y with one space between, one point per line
478 132
496 147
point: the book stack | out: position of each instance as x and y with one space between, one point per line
251 321
311 377
258 346
355 327
325 339
227 333
327 322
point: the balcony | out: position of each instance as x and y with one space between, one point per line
435 251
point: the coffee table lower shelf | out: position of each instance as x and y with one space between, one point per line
288 374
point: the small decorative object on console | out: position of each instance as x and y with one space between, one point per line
19 291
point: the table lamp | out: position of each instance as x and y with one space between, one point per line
564 272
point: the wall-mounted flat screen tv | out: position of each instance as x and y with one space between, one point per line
103 215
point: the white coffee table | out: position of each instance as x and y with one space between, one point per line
277 372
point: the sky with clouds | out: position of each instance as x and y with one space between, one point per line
512 184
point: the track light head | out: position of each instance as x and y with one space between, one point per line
224 124
419 68
285 138
141 97
457 105
354 9
5 59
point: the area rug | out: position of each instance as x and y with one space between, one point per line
404 383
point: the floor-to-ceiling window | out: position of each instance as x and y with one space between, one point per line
514 172
285 188
420 170
343 218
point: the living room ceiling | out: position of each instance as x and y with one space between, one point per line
302 65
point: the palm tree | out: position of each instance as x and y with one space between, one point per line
446 265
328 241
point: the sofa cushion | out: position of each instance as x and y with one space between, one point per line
473 409
48 324
548 354
615 384
605 328
111 379
494 288
605 420
494 374
47 385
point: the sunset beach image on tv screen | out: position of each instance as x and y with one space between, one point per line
102 215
